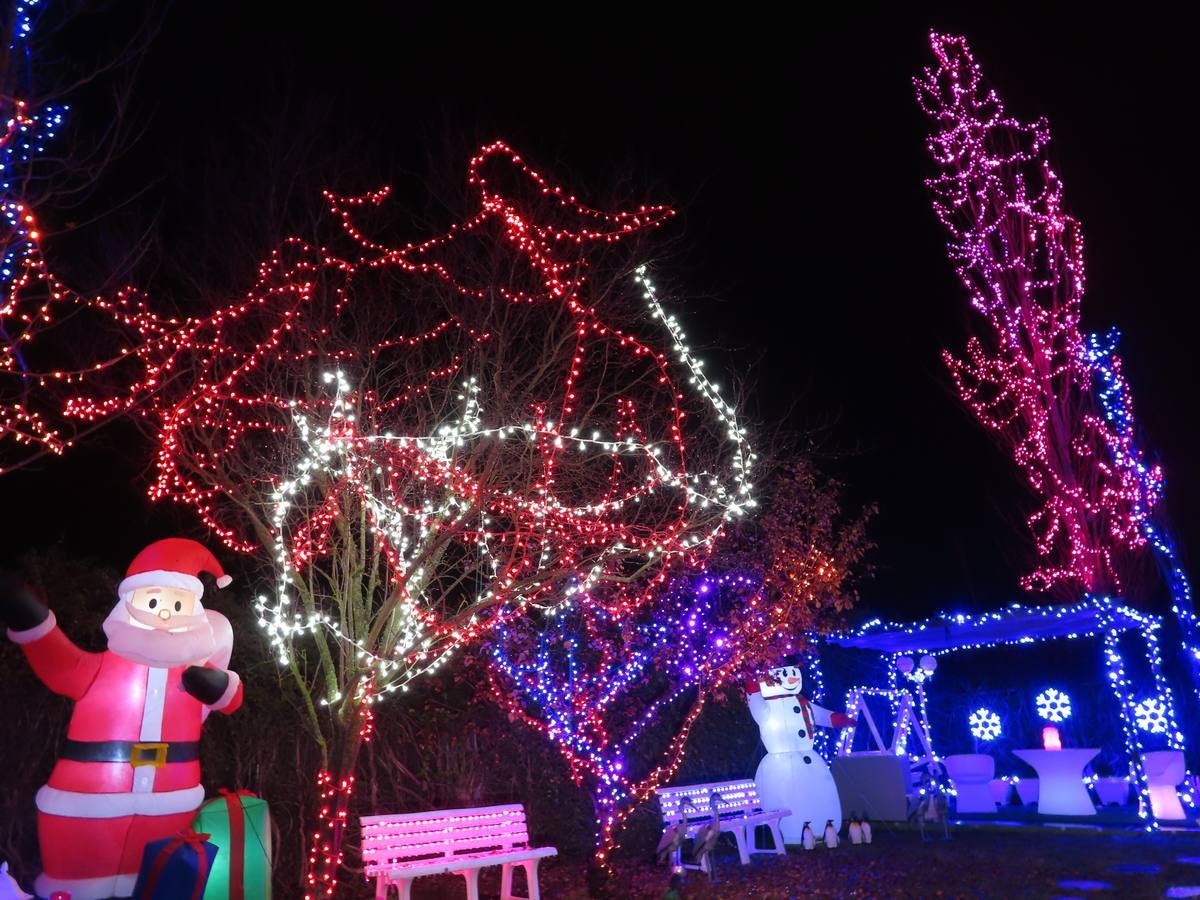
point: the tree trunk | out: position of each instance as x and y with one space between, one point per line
598 881
599 870
335 787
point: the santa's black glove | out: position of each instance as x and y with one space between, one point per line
206 685
21 607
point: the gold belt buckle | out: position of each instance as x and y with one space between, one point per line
157 759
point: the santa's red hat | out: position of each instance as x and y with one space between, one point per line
172 562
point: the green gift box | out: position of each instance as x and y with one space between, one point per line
240 825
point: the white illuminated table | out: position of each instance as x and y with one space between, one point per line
1060 774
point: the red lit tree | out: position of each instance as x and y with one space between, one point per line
424 438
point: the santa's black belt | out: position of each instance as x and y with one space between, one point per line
153 753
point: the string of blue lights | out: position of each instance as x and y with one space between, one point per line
24 137
1101 356
1094 616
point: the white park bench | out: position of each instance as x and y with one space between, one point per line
397 849
738 806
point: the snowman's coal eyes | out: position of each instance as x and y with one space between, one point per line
153 602
178 605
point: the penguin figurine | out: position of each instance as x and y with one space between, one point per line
807 838
865 827
856 835
831 836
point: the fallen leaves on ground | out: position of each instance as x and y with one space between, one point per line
976 862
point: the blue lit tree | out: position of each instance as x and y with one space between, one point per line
618 697
1127 453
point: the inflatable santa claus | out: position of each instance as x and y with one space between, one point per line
129 772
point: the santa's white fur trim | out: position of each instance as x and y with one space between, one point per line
224 581
76 805
222 637
37 632
87 888
160 578
231 690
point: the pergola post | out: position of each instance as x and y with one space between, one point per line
1175 735
1117 681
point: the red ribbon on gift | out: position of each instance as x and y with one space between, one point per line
196 842
237 836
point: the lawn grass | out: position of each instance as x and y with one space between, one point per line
976 862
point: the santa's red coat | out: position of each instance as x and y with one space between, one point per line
113 805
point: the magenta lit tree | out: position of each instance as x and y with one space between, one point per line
1026 375
1057 398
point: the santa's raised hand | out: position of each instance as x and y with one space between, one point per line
21 607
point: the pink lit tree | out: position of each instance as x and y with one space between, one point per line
1057 398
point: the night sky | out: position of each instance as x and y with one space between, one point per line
806 253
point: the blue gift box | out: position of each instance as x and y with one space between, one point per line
175 868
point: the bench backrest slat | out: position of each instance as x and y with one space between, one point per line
407 837
739 796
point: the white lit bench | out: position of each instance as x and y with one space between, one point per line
397 849
738 806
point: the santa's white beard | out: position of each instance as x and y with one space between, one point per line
158 648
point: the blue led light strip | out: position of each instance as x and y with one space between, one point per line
1103 617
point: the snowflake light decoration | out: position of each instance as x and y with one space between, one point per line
1151 715
985 724
1053 705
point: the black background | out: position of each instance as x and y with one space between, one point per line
806 252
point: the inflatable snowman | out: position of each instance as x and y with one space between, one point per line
792 775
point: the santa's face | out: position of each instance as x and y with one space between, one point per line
166 605
163 627
787 681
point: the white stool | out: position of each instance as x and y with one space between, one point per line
1164 770
972 774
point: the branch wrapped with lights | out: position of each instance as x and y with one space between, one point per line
23 138
594 684
1029 376
1132 461
413 489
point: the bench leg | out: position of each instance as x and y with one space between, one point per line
506 881
403 888
532 888
777 837
740 836
471 876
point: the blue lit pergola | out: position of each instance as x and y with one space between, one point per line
1093 617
